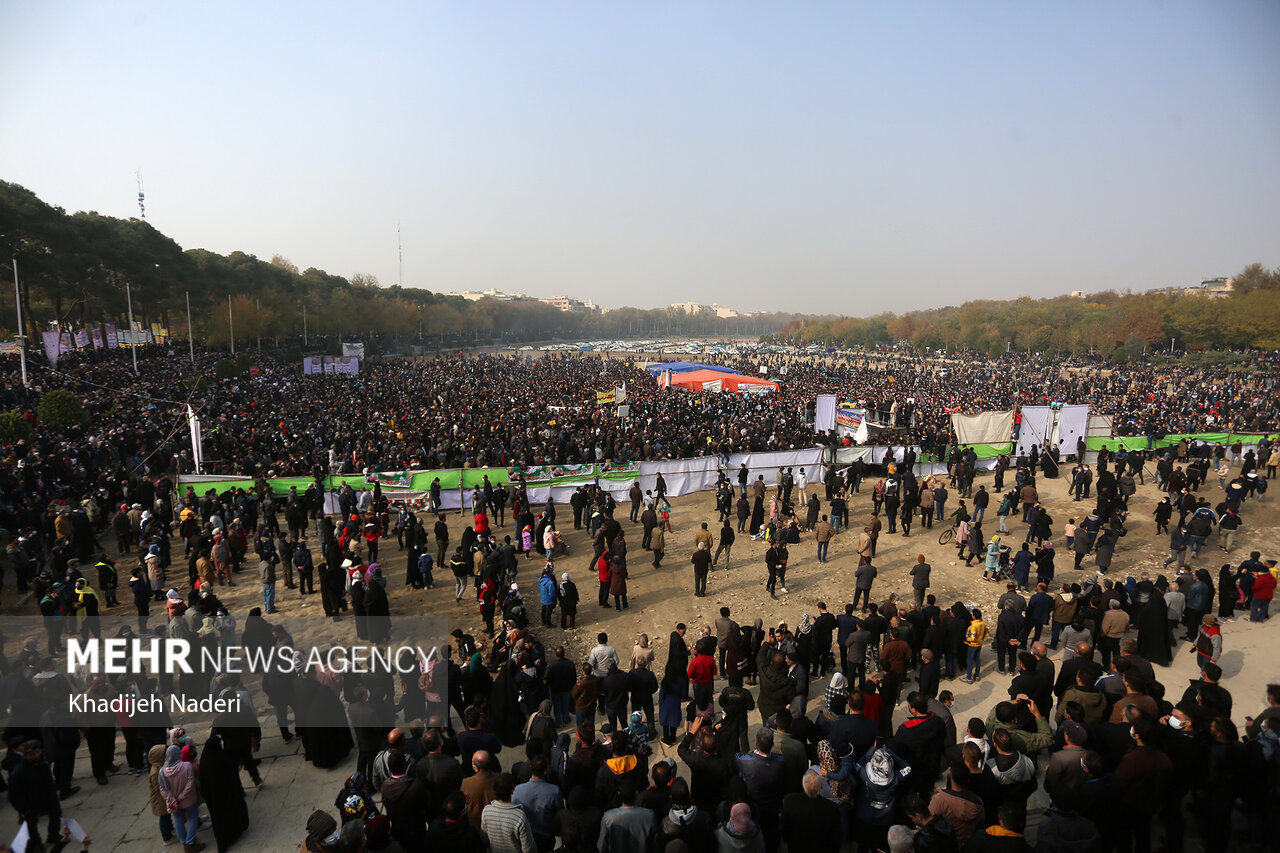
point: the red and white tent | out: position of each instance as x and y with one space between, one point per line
715 380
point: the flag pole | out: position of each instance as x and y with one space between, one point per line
21 338
191 341
133 343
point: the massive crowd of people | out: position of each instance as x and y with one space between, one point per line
465 410
784 731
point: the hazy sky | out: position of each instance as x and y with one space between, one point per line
807 156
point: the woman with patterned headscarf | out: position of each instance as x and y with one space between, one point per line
830 771
881 774
804 639
353 801
837 687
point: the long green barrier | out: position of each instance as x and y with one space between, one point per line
468 478
1139 442
472 477
991 451
982 451
450 479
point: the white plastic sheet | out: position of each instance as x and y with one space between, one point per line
1035 428
824 413
983 428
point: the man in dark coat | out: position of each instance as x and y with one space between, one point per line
810 821
709 767
823 627
777 688
405 800
762 771
32 792
920 741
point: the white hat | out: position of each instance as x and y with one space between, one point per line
565 576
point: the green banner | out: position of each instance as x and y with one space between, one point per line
1140 442
450 479
472 477
982 451
557 473
625 469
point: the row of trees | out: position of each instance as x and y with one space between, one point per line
74 268
1109 324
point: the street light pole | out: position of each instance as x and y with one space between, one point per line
231 327
20 337
191 341
133 343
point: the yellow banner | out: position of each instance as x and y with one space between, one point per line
605 398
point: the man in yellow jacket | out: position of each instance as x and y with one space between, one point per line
974 637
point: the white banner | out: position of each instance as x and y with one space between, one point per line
1046 426
939 469
1073 424
348 365
983 428
1035 428
870 455
699 474
356 350
824 413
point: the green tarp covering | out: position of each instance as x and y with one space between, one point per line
1140 442
450 479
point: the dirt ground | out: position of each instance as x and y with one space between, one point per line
120 819
661 597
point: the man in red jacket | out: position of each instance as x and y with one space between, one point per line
702 673
1264 589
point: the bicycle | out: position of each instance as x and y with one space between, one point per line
947 536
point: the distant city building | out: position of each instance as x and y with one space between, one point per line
1077 294
575 306
692 308
497 295
1214 288
564 303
